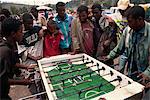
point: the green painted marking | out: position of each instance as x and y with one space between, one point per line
71 92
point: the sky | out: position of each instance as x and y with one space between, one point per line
35 2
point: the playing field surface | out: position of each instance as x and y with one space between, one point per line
77 82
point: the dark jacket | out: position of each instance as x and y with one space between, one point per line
6 63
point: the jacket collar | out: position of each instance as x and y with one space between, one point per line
59 20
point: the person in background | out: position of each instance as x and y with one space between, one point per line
31 51
99 22
6 12
52 39
32 41
63 21
37 21
82 32
2 17
12 31
107 42
120 18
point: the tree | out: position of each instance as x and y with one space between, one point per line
14 10
23 10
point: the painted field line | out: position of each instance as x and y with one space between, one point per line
68 81
95 93
89 75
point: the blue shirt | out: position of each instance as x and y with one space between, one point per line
64 27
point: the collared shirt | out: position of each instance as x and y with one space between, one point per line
136 38
64 27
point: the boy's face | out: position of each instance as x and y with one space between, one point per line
19 34
83 16
96 13
61 11
28 24
134 23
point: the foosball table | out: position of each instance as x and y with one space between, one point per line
81 77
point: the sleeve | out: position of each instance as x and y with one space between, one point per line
119 48
6 64
3 67
147 71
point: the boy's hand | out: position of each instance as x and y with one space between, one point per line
103 58
26 82
31 66
74 52
144 79
147 85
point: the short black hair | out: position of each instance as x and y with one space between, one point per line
135 12
53 22
96 5
26 17
59 4
10 25
6 12
2 17
82 8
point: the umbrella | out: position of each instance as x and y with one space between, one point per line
43 8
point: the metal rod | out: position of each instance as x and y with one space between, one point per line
60 61
78 75
31 96
72 71
64 87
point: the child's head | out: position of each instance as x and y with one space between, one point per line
52 26
12 28
83 13
96 10
27 21
60 8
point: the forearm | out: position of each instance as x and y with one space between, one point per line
18 82
21 66
114 53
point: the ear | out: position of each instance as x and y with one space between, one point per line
13 34
140 18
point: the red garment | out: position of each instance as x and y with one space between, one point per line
51 45
88 38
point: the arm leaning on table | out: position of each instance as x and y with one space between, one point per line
120 48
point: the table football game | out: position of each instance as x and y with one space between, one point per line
81 77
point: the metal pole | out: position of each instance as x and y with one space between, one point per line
31 96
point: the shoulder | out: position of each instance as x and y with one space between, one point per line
70 16
5 51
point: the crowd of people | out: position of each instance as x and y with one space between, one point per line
27 38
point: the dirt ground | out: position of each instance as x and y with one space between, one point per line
18 91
